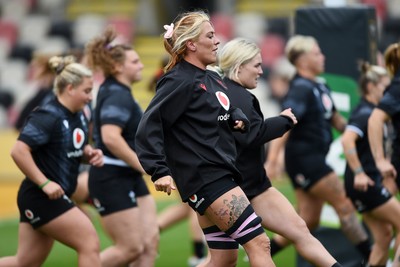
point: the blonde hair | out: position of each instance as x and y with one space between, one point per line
68 72
297 46
103 55
41 61
370 74
188 27
235 53
392 58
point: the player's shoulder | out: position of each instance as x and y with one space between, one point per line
302 83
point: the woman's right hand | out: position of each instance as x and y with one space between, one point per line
53 190
165 184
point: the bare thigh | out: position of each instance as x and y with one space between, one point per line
33 246
81 193
309 208
74 229
278 214
381 230
330 189
196 232
173 214
224 211
148 217
124 227
389 212
382 236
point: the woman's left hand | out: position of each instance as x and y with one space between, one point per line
288 113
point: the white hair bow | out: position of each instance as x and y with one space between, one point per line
169 29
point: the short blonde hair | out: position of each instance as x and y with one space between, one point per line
370 74
235 53
297 46
68 72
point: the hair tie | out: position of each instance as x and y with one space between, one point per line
108 46
60 68
169 29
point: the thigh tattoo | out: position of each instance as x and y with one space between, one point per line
233 208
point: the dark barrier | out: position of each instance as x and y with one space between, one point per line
345 35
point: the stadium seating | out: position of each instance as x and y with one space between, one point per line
9 31
87 26
272 48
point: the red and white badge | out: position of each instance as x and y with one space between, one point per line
29 214
193 198
78 137
223 100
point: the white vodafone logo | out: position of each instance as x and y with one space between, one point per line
78 137
223 100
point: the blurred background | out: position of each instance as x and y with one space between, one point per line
57 26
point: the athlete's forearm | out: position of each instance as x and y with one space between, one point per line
21 154
375 134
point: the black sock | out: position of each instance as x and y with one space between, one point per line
275 247
337 264
198 249
364 248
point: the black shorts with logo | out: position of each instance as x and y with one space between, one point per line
36 208
306 170
206 195
114 188
374 197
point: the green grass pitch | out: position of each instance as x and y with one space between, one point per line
174 249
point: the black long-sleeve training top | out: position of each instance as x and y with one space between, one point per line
250 146
185 131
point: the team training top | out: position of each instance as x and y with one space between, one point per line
185 132
312 104
115 105
390 103
358 123
250 146
57 138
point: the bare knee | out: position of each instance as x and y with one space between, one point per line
90 245
151 243
382 241
133 252
299 231
258 243
344 208
301 225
